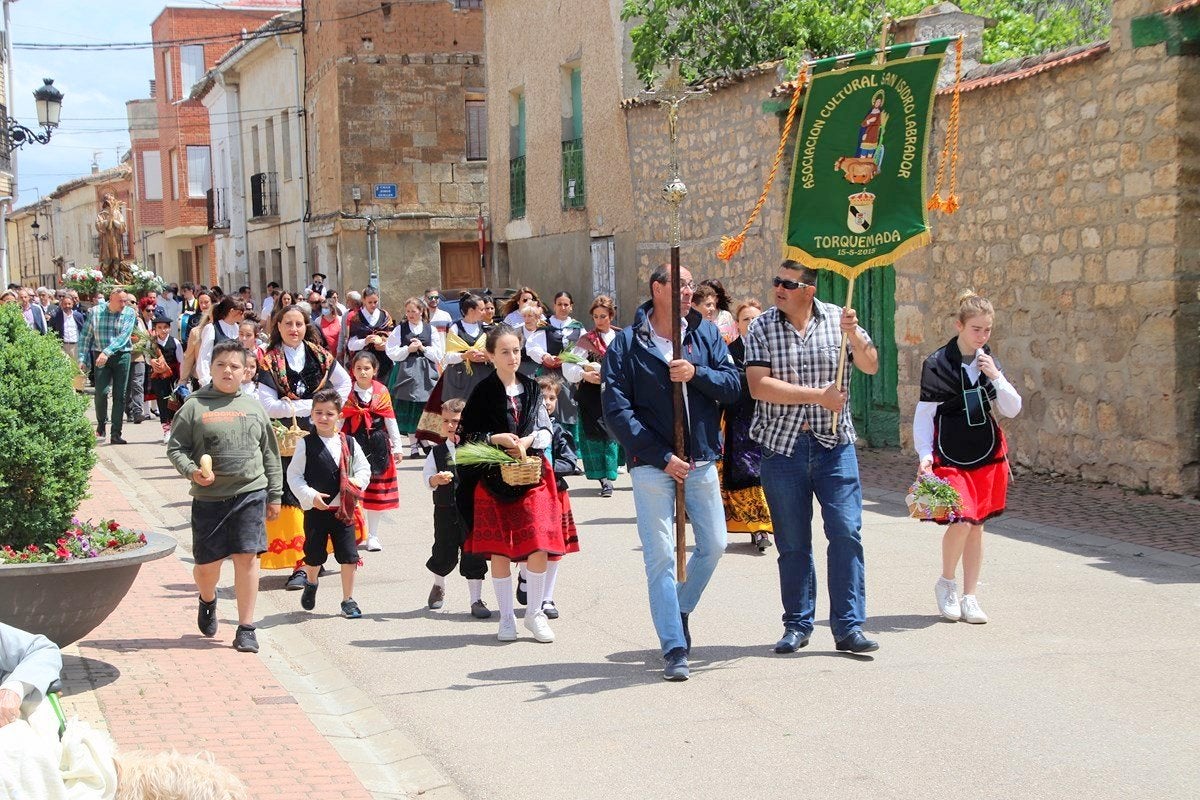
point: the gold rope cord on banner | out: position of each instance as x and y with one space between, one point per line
730 246
950 146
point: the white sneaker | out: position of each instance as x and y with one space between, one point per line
373 544
166 435
508 629
415 452
537 624
971 612
947 599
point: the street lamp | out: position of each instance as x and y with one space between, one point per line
49 109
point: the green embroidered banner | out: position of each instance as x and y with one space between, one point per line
858 179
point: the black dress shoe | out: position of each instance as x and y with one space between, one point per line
791 642
100 431
114 439
687 635
857 643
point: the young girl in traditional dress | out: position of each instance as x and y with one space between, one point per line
507 523
371 420
601 454
290 372
465 360
958 440
415 351
560 335
532 323
742 494
562 458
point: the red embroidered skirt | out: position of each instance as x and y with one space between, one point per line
518 528
382 493
983 490
570 534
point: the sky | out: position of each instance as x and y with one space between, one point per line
95 84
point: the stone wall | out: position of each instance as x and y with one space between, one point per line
1073 225
1079 220
726 145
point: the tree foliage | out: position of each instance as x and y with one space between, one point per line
47 448
715 37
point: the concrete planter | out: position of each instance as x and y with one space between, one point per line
67 601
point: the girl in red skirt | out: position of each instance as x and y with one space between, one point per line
371 420
958 440
511 523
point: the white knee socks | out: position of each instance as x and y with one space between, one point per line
476 588
439 580
504 597
535 583
374 522
551 575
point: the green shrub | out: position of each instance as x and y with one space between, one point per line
47 448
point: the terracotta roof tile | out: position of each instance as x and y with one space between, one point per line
1179 7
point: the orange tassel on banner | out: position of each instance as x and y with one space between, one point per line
730 246
950 148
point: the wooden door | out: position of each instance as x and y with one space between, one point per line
873 398
604 267
461 266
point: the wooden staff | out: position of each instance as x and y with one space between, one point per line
841 372
677 400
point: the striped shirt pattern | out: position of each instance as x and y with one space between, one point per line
802 358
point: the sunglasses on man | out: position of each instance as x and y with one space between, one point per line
791 286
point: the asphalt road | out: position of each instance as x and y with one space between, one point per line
1085 684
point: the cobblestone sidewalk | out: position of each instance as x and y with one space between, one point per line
1163 522
158 684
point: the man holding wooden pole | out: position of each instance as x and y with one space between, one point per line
641 371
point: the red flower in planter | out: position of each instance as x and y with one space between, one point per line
113 543
142 538
113 526
63 553
33 548
61 542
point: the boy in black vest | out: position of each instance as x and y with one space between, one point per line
164 370
449 532
327 475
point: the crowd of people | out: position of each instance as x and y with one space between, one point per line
289 422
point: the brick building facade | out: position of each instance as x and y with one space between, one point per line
188 43
389 92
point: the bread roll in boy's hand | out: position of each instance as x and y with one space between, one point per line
204 476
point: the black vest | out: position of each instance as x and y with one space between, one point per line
425 337
443 496
321 472
168 353
219 335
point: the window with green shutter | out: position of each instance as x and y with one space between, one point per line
516 163
573 194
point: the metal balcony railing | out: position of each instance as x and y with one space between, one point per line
264 194
572 174
516 187
217 204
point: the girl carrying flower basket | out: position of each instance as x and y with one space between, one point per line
958 440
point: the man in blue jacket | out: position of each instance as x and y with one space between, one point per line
638 372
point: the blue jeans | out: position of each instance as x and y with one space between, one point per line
654 500
790 483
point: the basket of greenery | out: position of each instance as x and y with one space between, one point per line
932 498
524 470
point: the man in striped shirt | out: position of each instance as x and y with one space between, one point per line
106 343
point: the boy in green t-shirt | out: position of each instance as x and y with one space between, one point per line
234 495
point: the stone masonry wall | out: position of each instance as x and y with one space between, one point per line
1079 221
1071 225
